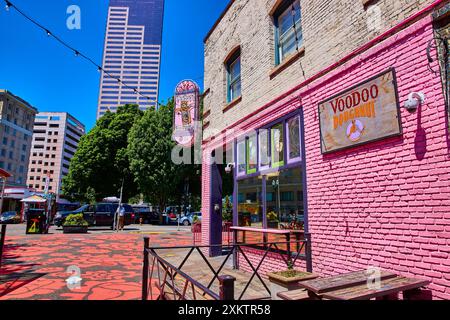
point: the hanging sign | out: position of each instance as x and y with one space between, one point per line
367 112
186 112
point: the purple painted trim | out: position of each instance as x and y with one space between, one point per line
264 201
304 176
235 190
297 159
268 127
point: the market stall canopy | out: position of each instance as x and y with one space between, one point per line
34 199
4 174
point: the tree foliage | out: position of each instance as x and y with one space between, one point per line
101 162
150 148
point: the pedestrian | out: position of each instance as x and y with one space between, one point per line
121 218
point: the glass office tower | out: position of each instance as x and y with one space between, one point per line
132 52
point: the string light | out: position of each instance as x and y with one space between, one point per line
9 4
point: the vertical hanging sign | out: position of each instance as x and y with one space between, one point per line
186 112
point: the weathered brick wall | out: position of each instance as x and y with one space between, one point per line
331 29
387 203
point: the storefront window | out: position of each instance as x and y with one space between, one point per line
293 139
241 166
277 134
250 213
252 154
264 149
284 199
269 181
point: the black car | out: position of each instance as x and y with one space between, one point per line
98 215
146 214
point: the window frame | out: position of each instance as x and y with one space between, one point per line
230 63
278 13
265 171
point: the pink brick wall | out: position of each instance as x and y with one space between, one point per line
272 262
206 171
387 203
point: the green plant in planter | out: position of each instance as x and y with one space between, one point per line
195 219
75 220
272 217
227 210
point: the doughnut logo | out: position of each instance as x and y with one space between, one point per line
355 130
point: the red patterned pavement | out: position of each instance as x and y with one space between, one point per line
36 267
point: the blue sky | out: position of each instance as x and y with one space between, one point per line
39 70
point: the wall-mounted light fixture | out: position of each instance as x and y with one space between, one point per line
229 168
415 99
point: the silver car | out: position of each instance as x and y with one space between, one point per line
188 219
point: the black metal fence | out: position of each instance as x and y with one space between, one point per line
165 274
2 241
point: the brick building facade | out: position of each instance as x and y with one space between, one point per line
384 203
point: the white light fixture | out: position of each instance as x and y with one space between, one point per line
415 99
229 168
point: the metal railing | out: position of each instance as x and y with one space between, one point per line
227 233
156 268
2 241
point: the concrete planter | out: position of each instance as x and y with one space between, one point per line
280 283
75 229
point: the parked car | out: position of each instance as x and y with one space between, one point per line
10 217
188 219
98 215
148 215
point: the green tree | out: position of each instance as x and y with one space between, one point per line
101 162
150 148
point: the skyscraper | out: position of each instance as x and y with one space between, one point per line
132 52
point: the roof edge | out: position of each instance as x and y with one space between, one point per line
218 20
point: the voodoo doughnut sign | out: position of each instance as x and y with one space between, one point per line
367 112
186 112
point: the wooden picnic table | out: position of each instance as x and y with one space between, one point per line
389 289
354 286
322 285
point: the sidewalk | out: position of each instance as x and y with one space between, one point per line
35 266
110 264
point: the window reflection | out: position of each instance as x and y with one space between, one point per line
241 157
285 199
250 203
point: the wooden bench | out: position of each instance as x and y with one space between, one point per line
295 295
322 285
388 290
356 286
